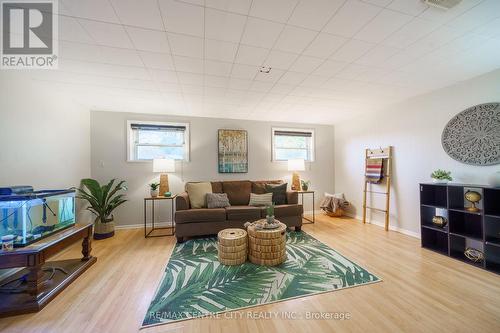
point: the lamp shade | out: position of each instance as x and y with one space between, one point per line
296 165
163 165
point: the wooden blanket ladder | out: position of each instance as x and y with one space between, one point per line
386 155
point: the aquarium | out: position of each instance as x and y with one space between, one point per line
33 215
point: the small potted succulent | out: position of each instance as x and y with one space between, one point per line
305 184
270 214
154 189
441 176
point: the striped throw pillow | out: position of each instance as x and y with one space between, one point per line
261 199
217 200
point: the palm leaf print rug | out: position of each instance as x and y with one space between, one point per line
195 284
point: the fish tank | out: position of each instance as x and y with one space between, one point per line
32 215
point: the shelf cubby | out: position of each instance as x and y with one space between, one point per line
435 240
492 201
458 245
465 224
433 195
492 258
492 229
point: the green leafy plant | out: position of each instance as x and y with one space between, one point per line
270 210
305 184
154 186
441 175
102 199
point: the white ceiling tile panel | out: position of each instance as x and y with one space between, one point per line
218 68
352 50
186 45
107 34
149 40
187 64
351 18
330 68
241 71
273 76
413 31
292 78
487 10
224 26
157 60
98 10
220 50
383 25
261 33
305 64
279 59
276 10
324 45
314 14
294 39
236 6
182 17
143 13
377 55
410 7
70 30
250 55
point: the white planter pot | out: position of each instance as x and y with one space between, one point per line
494 179
154 193
440 181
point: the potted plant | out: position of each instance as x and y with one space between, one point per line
305 184
441 176
154 189
102 202
270 214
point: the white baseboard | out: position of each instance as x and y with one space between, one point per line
391 227
141 225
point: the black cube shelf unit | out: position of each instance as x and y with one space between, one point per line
479 230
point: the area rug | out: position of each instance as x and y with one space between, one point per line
195 284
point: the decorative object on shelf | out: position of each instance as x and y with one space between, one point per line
167 194
233 151
154 189
494 179
270 214
473 197
103 200
163 166
471 137
441 176
295 165
8 242
439 221
473 254
305 184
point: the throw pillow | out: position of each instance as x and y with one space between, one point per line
261 199
217 200
335 195
279 193
197 193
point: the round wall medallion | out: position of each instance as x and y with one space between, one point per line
473 135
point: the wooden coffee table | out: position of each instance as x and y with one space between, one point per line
266 247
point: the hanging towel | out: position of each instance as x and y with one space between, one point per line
374 170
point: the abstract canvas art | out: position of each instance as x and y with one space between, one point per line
233 151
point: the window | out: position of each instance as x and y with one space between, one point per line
289 143
150 140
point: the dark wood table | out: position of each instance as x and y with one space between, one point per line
34 286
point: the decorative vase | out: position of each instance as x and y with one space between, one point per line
473 197
440 181
305 187
474 255
494 179
154 193
103 230
439 221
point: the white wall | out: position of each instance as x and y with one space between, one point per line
44 137
414 128
108 157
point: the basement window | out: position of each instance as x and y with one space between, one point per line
150 140
292 143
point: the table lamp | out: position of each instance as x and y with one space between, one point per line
296 165
163 166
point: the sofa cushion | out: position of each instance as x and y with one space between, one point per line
279 193
200 215
238 192
246 213
217 200
217 187
197 193
259 186
283 211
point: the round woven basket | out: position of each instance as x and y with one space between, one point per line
266 246
232 246
338 213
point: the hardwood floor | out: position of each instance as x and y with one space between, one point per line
421 291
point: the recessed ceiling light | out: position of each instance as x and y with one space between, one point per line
265 69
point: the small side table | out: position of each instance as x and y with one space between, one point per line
302 203
153 228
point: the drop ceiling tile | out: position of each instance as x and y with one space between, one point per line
343 23
324 45
91 9
377 55
313 14
123 57
190 78
278 59
276 10
410 7
149 40
292 78
384 24
218 68
186 45
216 81
352 50
381 3
352 71
486 11
261 86
70 30
294 39
182 18
443 16
244 71
107 34
168 87
219 50
186 64
411 32
314 81
235 6
224 26
305 64
142 13
431 42
330 68
491 29
250 55
261 33
157 60
78 51
240 84
282 88
165 76
272 76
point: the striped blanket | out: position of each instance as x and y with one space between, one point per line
374 170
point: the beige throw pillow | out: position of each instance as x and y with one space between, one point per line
197 193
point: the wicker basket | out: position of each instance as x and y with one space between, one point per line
267 246
338 213
232 246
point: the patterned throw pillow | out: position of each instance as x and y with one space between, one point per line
261 199
217 200
279 193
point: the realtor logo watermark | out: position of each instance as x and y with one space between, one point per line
29 34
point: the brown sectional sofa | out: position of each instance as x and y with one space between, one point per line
205 221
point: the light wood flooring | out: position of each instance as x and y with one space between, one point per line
421 291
